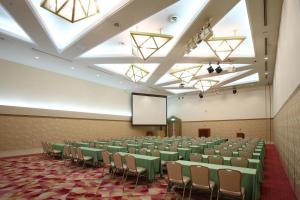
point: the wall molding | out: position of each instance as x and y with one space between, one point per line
220 120
47 113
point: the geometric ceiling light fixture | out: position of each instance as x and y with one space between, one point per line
146 44
136 73
186 75
72 10
204 85
224 46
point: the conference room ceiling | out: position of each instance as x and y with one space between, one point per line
99 48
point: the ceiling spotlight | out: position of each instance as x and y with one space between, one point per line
72 10
219 69
181 85
210 69
97 75
200 95
36 57
266 58
173 19
72 68
234 91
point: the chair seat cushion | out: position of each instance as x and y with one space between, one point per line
56 151
232 193
163 162
140 169
185 180
205 187
87 158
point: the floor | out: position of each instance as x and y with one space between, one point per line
33 177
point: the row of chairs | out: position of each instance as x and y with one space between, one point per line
48 150
227 153
129 167
215 159
75 155
229 180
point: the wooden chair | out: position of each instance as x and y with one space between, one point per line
200 180
226 153
143 151
82 158
195 157
119 166
132 168
106 161
131 150
239 162
230 183
218 160
175 176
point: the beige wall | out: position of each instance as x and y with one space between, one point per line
27 132
228 128
286 128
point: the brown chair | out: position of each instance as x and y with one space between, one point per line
143 151
151 147
209 151
230 183
161 147
239 162
106 161
67 156
132 168
74 154
131 150
195 157
218 160
175 176
185 145
82 158
245 154
200 180
173 148
119 166
226 153
155 152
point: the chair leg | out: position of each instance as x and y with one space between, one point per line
190 192
183 191
211 192
218 195
125 180
137 179
123 175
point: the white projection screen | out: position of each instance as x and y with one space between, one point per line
148 109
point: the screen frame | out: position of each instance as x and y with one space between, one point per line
151 95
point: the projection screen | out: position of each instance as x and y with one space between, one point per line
148 109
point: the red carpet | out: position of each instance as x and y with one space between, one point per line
276 185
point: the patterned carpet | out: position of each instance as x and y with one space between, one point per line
34 177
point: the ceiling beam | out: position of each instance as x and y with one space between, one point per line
249 67
213 12
24 15
119 60
136 9
235 78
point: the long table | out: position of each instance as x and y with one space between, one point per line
250 180
114 149
150 163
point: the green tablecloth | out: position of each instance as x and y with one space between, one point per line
101 142
147 144
93 152
59 147
250 179
114 149
197 149
137 146
169 156
81 144
150 163
185 153
210 144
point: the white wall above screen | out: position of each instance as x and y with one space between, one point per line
149 109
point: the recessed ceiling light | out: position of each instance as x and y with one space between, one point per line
36 57
72 68
266 58
173 19
97 75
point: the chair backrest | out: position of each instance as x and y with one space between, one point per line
239 162
185 145
66 151
173 148
92 144
106 157
155 152
131 150
79 153
229 180
118 161
151 147
174 172
74 152
245 154
195 157
44 147
226 153
161 147
130 162
200 175
218 160
143 151
209 151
